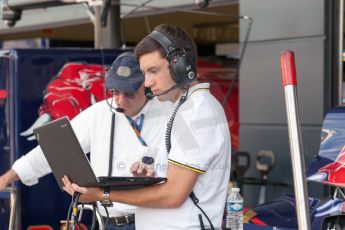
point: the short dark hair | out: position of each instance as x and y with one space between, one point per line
179 38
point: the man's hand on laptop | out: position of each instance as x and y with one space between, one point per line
141 169
88 194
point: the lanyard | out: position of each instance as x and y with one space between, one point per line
137 126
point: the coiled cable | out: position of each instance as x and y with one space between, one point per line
171 121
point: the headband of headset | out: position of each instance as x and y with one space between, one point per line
183 72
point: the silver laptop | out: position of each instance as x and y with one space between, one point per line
65 156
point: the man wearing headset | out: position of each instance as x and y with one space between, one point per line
197 151
108 124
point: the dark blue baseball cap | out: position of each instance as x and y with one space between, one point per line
124 74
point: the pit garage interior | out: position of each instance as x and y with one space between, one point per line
311 28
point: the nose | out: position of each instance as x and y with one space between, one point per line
120 100
148 81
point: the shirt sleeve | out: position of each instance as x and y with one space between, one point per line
198 154
31 166
198 136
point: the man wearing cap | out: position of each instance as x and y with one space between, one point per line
117 132
197 151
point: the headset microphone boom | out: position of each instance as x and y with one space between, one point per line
150 95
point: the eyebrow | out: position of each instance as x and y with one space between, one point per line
152 68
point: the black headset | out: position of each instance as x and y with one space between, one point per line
183 72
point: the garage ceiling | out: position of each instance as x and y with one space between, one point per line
217 23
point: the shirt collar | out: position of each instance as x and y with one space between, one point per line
204 85
194 88
144 109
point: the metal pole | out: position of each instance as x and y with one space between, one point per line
109 36
297 156
13 207
13 141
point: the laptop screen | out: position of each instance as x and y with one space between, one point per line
65 156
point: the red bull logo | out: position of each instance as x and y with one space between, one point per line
76 87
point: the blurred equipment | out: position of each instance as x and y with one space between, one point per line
202 3
105 15
97 219
11 10
240 163
280 213
265 162
10 16
334 222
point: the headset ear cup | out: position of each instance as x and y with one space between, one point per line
181 69
183 72
172 59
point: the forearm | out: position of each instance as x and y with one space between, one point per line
158 196
171 194
9 177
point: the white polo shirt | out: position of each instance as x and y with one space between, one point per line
200 141
93 129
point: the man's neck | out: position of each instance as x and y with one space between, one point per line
177 94
137 112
